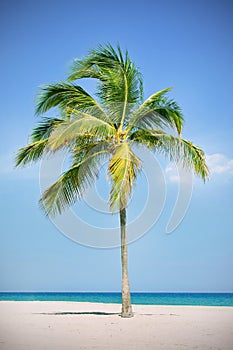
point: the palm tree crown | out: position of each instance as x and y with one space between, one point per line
108 127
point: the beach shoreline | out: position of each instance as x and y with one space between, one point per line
27 325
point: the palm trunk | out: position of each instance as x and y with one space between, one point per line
126 302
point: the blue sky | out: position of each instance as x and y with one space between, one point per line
186 45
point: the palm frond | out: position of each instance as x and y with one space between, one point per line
73 183
44 128
94 64
122 87
120 82
84 69
83 124
30 153
156 112
38 141
123 168
67 97
176 148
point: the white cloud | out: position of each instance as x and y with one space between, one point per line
219 164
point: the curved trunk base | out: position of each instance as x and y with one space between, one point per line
127 312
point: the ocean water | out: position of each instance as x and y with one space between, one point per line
201 299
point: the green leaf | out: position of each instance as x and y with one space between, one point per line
44 128
123 168
30 153
157 112
73 183
120 82
176 148
65 96
82 124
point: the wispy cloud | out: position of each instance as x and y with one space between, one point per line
218 164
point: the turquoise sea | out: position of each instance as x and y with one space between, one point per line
202 299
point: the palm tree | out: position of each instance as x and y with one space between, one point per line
109 127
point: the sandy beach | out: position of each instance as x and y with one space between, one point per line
67 325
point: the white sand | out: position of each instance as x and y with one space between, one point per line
41 326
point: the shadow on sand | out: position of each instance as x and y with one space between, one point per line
97 313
